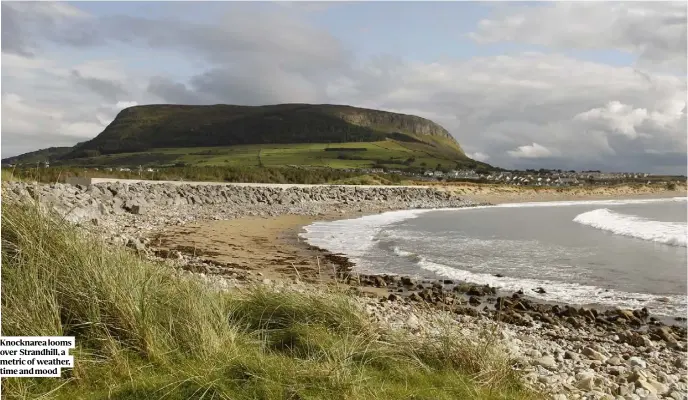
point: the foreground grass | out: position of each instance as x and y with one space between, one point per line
8 176
143 333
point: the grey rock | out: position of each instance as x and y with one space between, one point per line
412 322
547 362
637 362
136 245
614 361
593 354
586 381
649 396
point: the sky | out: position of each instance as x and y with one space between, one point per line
571 85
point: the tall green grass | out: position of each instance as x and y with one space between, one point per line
8 175
143 332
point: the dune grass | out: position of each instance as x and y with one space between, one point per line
144 332
9 176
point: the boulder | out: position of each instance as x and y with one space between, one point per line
474 301
379 281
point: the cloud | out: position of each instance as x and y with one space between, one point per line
515 108
531 151
173 92
110 90
125 104
478 156
653 31
26 24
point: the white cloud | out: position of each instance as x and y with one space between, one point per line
568 112
81 129
125 104
531 151
478 156
654 31
619 118
110 70
21 118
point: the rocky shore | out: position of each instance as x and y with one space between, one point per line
568 352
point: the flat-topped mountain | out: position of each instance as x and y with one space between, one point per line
147 127
310 134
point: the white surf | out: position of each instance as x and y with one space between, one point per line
670 233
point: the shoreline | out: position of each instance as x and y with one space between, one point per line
284 237
565 350
249 237
678 319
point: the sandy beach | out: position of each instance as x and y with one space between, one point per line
499 194
237 238
271 246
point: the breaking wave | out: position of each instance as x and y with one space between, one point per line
355 237
670 233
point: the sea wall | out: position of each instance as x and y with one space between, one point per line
87 202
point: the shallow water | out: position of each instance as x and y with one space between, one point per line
613 253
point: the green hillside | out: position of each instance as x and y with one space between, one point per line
277 135
38 156
385 154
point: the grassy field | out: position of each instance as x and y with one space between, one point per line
208 174
145 333
387 153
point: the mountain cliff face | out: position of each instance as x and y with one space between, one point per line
147 127
386 120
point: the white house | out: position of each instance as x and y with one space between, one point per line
567 181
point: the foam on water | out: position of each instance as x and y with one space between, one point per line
353 237
671 233
570 293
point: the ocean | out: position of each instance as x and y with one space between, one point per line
617 253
